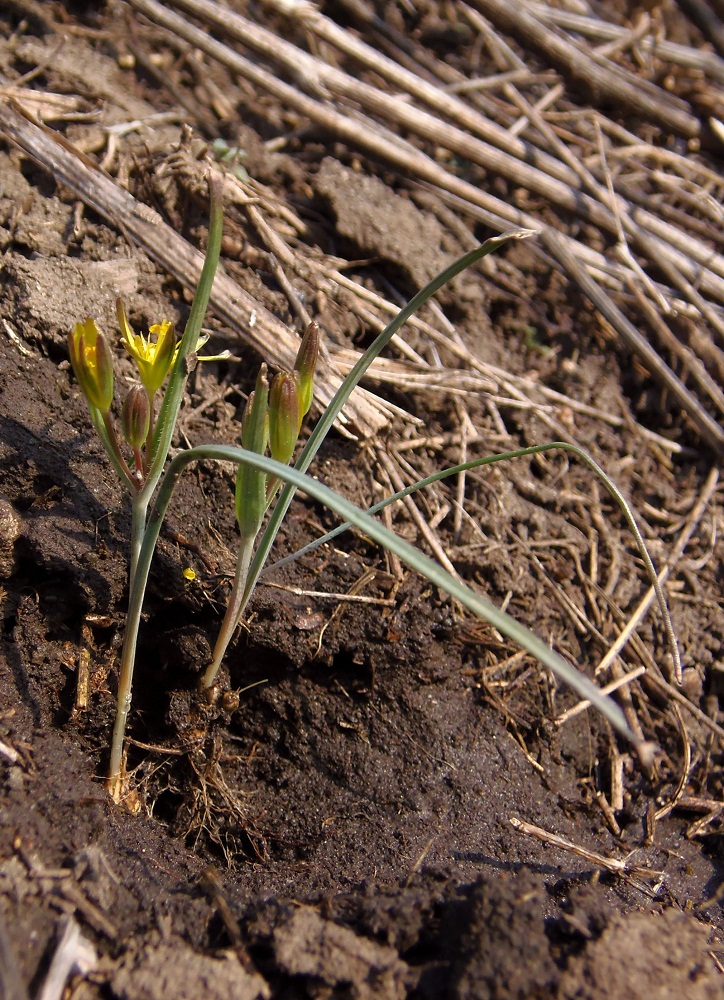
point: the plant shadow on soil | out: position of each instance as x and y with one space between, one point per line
339 827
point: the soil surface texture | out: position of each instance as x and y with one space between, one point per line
354 817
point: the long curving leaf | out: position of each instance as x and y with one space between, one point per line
417 560
476 463
325 422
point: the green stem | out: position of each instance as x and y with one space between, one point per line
234 610
174 394
143 542
138 529
106 432
141 556
148 446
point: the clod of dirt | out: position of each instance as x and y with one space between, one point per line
156 973
505 950
81 288
641 958
363 207
306 945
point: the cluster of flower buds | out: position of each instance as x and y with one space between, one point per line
273 418
92 361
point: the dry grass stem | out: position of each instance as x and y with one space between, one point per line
692 523
613 865
581 706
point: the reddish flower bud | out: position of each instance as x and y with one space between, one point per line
285 415
136 416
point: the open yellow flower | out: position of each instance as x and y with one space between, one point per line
154 354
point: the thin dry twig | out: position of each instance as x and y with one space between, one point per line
615 866
692 522
709 429
685 766
651 44
423 527
581 706
321 79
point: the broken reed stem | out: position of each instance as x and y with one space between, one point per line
651 45
685 258
605 79
566 192
709 429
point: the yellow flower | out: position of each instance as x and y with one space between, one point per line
153 357
92 363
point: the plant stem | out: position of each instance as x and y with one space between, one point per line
140 564
148 447
143 540
106 432
234 610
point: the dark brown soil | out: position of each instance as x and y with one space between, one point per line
345 831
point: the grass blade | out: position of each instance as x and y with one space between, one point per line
505 624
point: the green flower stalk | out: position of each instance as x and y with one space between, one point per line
273 417
160 358
251 484
251 503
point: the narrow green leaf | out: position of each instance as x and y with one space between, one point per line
325 422
505 624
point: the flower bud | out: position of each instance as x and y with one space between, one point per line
254 425
306 364
251 483
285 415
92 363
136 416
